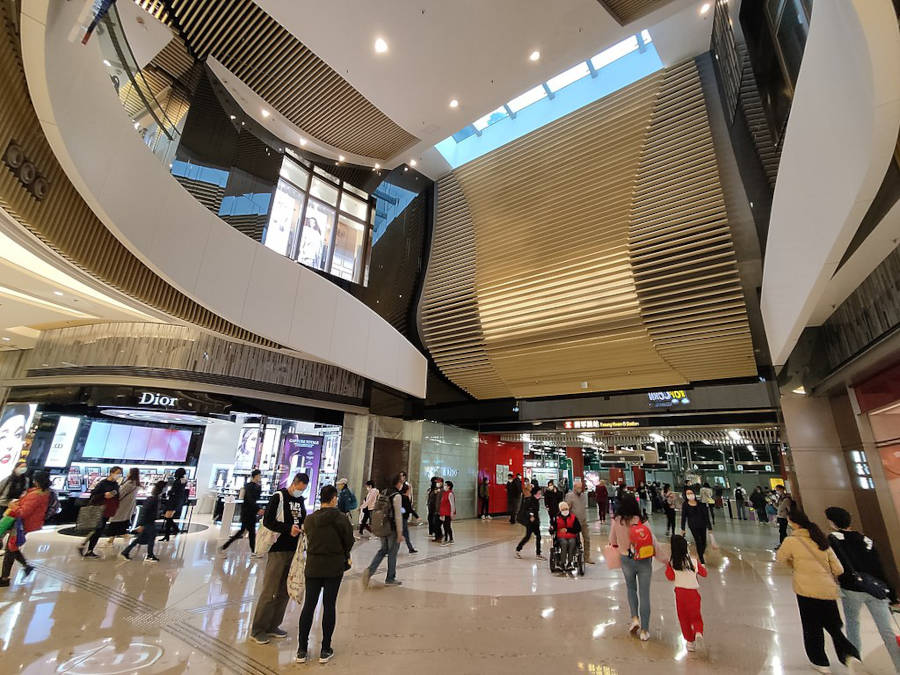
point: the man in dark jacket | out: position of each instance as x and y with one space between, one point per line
176 498
284 514
513 497
346 499
552 498
105 494
329 538
435 492
250 511
530 517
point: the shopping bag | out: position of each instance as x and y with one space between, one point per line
296 581
663 552
711 541
5 524
612 557
265 537
89 518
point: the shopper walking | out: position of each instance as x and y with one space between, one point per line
105 494
815 567
31 508
390 503
513 497
670 501
758 499
250 511
448 512
706 498
347 501
783 504
176 498
285 514
368 505
695 516
15 484
121 519
329 538
407 511
577 499
530 517
863 582
435 492
683 570
601 495
147 525
638 572
484 499
740 496
552 498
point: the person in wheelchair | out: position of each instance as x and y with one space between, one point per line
566 528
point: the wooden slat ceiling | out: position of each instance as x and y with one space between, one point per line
626 11
284 73
591 255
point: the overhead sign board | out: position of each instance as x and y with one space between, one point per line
600 424
667 399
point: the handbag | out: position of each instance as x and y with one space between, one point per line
612 557
711 541
868 583
89 518
265 537
296 581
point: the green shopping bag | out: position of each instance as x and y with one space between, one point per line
6 524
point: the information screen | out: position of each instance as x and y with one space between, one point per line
63 438
124 442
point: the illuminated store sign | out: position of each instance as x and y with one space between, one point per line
155 398
599 424
666 399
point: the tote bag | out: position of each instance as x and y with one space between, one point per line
296 581
266 537
612 557
89 518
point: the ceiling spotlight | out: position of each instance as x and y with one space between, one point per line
406 168
107 63
137 125
234 117
6 339
57 292
377 166
801 390
412 162
340 158
534 56
380 46
302 142
705 8
454 103
265 113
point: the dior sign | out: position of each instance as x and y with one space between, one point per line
157 399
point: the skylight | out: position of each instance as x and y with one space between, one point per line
623 63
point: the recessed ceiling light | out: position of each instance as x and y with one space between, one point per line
340 158
6 339
377 165
705 8
233 117
412 162
265 113
534 56
57 292
380 46
302 142
107 63
454 103
801 390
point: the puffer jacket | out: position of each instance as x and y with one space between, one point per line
815 570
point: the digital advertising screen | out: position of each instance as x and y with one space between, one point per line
15 421
61 445
124 442
300 452
247 448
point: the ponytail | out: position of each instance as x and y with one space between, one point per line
796 515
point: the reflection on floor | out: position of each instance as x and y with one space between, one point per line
469 608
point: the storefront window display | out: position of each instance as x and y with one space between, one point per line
15 421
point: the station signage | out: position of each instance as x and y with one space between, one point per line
600 424
667 399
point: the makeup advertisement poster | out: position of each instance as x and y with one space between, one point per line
301 453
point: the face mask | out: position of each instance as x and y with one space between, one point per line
183 479
297 493
20 471
564 514
690 495
115 478
447 488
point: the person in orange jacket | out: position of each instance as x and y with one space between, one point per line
31 508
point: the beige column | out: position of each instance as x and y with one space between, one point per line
354 452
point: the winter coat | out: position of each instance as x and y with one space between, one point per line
815 570
329 538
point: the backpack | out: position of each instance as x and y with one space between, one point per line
382 518
641 541
350 502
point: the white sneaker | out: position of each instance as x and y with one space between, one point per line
698 638
482 517
691 647
820 669
645 635
488 517
635 625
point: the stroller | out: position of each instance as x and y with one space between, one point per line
558 564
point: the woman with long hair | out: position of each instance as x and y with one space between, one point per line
128 492
637 572
815 568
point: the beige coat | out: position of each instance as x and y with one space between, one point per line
815 570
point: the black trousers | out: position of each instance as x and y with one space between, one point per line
95 537
512 508
8 558
248 525
700 542
434 525
448 528
170 527
670 519
782 529
483 503
531 529
818 616
364 523
328 587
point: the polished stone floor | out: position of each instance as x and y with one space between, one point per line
469 608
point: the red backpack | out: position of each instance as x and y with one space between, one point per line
641 541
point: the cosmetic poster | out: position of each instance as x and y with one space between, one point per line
301 453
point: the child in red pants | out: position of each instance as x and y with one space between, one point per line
683 570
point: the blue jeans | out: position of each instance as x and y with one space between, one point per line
637 579
389 548
406 535
881 614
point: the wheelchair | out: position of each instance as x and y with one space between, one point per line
557 564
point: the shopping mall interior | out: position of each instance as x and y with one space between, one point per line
642 250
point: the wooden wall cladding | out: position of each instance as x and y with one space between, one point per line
283 72
592 254
626 11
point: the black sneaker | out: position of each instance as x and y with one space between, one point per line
28 570
90 554
326 655
125 555
4 583
302 656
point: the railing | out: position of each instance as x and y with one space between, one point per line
139 92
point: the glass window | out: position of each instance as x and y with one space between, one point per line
614 53
356 191
792 31
328 194
489 119
284 223
533 95
645 36
567 77
348 249
315 241
353 206
294 173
